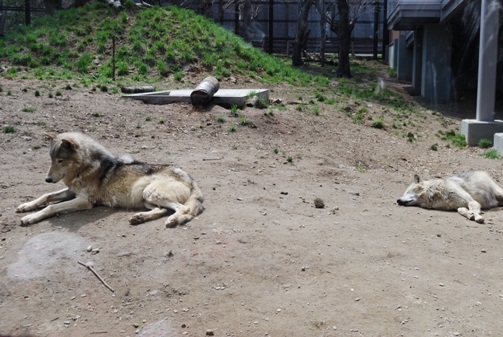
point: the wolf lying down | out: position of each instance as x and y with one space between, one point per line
467 193
95 176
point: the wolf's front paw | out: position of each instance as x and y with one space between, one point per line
29 219
26 207
172 221
136 219
479 219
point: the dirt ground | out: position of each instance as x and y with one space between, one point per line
261 260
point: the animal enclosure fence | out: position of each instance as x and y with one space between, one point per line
274 27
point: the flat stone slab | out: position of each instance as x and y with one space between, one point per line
226 97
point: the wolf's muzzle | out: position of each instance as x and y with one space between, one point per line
48 180
399 201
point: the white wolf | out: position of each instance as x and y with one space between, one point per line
95 176
467 193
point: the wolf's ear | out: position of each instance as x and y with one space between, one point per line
69 144
417 179
51 135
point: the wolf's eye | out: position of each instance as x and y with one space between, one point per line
60 160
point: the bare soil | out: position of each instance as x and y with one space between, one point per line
261 260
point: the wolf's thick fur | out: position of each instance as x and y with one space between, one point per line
95 176
467 193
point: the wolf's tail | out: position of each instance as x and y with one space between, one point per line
195 201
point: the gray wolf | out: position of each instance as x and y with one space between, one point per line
95 176
467 193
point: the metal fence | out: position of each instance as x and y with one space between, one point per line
15 13
275 26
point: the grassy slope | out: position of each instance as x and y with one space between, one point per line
150 43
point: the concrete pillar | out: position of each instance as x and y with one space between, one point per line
485 127
436 69
488 53
498 143
393 48
417 62
404 60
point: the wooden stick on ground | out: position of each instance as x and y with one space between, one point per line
97 275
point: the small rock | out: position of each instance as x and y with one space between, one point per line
89 248
319 203
257 103
210 333
26 138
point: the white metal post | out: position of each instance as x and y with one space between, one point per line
488 52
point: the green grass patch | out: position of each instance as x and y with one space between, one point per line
9 129
485 143
492 154
358 118
234 111
378 123
457 139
